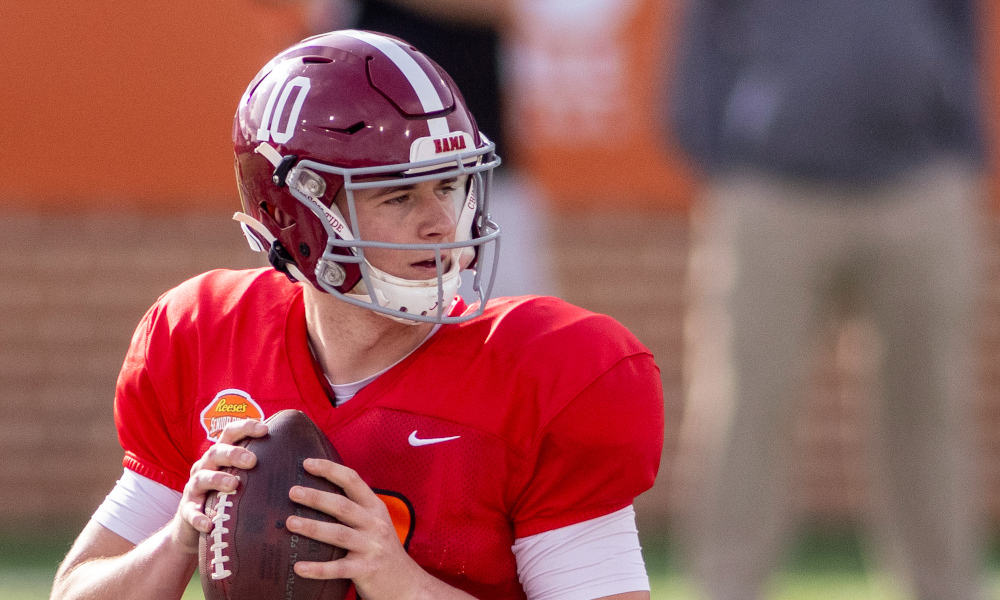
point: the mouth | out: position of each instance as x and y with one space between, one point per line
430 266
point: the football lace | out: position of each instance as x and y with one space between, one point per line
218 530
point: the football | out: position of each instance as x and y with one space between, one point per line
249 554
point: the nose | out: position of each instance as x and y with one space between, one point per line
437 216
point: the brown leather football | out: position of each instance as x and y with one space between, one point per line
249 553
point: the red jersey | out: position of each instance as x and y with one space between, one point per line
533 416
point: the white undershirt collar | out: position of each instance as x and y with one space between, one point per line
342 392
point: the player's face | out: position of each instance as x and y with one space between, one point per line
420 213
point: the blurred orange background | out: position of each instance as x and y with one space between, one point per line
128 104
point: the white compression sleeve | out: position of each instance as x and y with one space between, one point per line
596 558
137 507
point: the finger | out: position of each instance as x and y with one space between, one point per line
334 534
237 430
342 508
335 569
348 479
205 481
224 455
196 491
190 511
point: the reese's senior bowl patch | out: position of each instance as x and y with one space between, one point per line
226 407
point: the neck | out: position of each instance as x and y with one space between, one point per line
352 342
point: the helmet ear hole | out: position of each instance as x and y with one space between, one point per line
280 218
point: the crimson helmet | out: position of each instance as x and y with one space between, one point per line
334 112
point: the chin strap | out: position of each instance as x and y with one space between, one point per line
408 295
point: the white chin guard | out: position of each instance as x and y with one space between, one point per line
418 297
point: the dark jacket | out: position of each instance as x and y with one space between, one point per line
844 90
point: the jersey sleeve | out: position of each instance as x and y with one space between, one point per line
147 405
598 453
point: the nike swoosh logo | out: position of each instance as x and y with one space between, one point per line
416 442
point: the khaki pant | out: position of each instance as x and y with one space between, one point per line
770 261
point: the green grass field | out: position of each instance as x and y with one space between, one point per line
822 566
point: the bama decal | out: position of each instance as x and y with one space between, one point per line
228 406
449 144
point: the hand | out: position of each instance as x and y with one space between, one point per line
205 477
376 561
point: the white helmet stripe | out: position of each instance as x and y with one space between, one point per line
438 126
429 98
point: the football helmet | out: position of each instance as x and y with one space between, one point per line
349 110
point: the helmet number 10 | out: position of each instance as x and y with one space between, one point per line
270 121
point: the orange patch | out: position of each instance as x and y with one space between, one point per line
227 407
401 512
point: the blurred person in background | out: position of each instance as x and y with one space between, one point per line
842 146
467 40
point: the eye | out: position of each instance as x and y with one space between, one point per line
447 190
397 199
